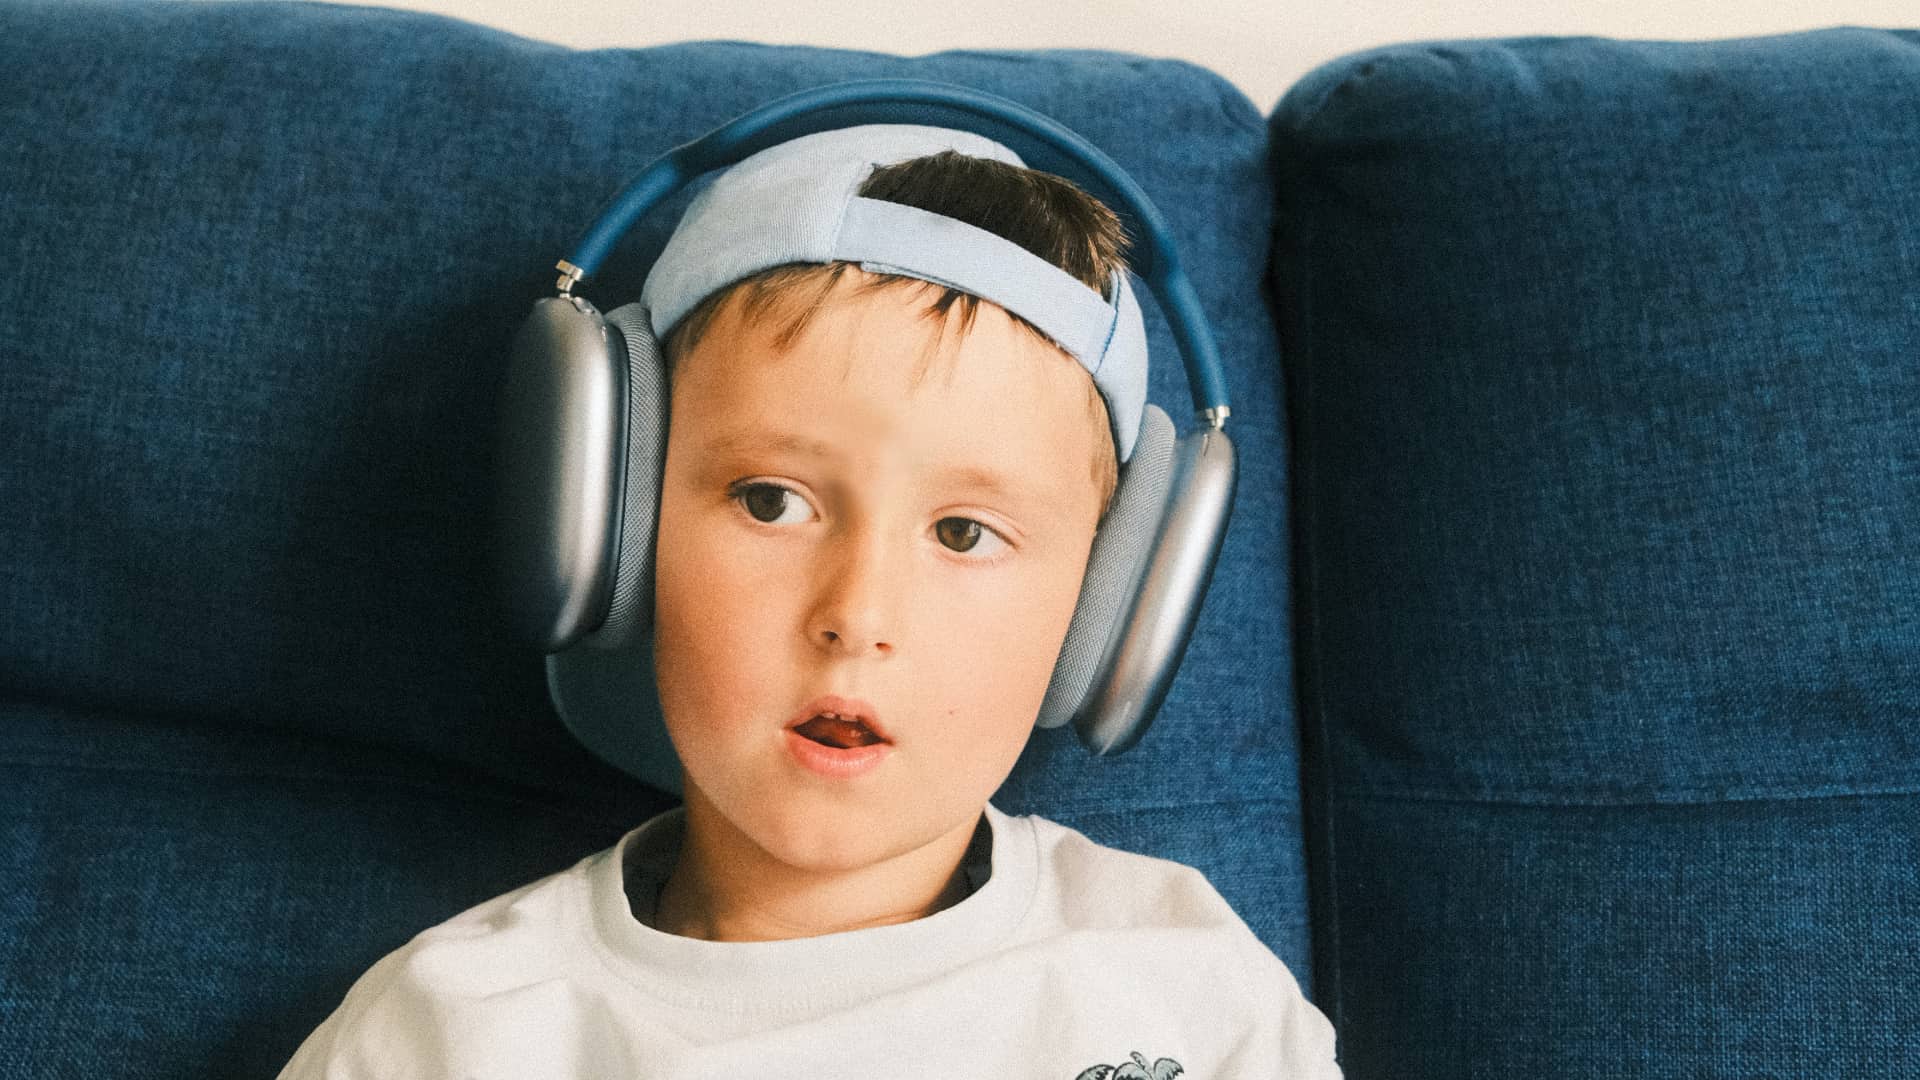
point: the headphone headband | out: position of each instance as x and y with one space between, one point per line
1042 142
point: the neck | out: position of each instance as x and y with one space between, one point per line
724 887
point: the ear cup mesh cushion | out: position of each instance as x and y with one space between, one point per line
631 611
1114 565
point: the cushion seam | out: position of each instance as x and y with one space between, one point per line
476 793
1676 800
1160 807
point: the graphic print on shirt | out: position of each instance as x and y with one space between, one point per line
1137 1069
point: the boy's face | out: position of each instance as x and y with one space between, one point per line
865 578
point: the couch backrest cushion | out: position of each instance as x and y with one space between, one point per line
266 261
1602 363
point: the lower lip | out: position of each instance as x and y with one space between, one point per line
833 762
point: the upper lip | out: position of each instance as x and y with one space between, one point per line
846 708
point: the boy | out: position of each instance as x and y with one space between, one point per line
875 511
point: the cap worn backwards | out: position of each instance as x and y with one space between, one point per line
799 201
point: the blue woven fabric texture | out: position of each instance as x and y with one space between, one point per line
1600 360
265 263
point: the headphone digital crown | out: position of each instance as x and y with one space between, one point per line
582 446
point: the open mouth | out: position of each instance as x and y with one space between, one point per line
838 738
841 733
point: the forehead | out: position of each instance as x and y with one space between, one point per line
874 374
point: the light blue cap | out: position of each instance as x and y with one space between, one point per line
798 201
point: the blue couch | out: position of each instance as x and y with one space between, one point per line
1553 712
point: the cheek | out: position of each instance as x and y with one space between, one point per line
707 611
1015 634
989 687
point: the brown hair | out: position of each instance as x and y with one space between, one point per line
1046 214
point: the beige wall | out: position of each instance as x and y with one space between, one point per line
1262 47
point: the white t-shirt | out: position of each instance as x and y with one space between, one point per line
1071 961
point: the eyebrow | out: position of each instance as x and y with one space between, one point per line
751 441
975 478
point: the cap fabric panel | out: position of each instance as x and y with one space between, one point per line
783 205
894 238
798 202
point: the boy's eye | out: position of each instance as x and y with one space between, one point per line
960 534
768 502
964 534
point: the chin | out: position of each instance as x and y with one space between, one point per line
832 836
827 842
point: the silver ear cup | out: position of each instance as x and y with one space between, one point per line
1114 566
1151 637
560 435
603 687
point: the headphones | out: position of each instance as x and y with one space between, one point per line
582 446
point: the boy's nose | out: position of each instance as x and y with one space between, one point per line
860 594
856 640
